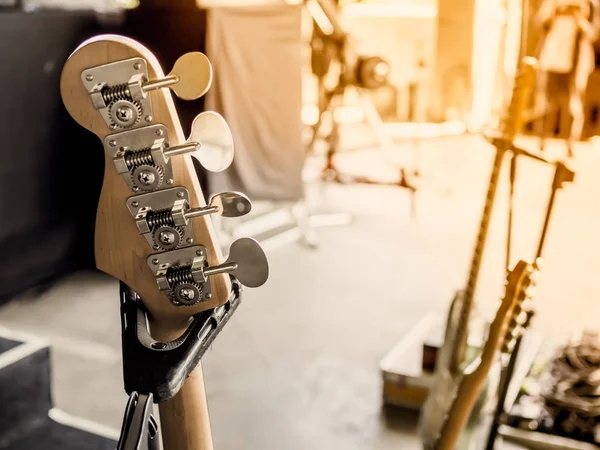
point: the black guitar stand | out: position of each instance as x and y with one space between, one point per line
139 430
562 174
155 371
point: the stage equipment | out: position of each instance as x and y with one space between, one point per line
28 418
154 232
449 362
560 407
356 72
500 339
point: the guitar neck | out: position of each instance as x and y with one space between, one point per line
184 419
500 335
460 343
459 412
509 127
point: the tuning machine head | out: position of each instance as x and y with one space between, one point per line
247 262
195 76
119 90
522 308
142 156
184 274
211 131
190 78
231 204
250 260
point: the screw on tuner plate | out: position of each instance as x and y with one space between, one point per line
183 274
119 90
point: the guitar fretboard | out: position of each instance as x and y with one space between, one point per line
460 343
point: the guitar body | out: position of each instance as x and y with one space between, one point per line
454 406
445 387
445 383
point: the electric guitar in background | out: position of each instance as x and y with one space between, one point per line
500 339
153 228
450 360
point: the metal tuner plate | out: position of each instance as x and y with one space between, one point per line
154 208
116 92
180 274
138 157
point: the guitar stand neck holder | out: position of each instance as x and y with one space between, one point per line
154 371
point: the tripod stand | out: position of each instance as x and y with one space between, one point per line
356 72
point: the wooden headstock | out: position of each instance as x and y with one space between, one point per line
101 73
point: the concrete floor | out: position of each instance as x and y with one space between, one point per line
297 367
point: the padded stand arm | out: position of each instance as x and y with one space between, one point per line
161 368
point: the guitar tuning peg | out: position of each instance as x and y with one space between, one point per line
226 204
210 130
247 262
231 204
189 79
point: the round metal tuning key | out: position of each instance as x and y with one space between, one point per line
231 204
190 78
247 262
226 204
210 130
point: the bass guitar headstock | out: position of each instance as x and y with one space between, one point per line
153 228
509 316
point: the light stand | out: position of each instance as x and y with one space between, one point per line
356 72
